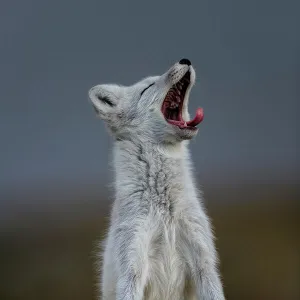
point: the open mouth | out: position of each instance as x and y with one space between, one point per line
173 105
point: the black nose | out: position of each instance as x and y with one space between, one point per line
185 61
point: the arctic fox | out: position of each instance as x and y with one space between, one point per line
159 244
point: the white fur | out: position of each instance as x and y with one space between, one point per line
160 244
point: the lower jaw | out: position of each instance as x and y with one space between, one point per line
186 134
184 127
181 124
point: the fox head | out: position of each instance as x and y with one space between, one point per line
154 109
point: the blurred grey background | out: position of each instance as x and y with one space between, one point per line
55 167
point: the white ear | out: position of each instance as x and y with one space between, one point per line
105 98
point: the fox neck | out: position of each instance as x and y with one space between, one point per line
148 175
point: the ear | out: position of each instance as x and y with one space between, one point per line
105 98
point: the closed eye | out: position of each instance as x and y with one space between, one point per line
146 88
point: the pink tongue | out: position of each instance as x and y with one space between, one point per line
198 118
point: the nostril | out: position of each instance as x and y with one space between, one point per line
185 61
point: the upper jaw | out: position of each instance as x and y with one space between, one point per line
176 72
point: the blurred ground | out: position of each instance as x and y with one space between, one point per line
47 248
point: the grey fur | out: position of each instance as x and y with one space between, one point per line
160 244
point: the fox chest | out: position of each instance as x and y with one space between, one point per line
167 267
